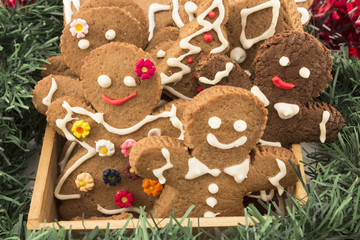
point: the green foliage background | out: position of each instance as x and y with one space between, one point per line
30 34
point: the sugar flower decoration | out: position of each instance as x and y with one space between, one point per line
124 199
111 177
81 129
79 28
105 148
145 69
126 147
85 182
152 187
130 172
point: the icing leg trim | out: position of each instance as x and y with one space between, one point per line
117 211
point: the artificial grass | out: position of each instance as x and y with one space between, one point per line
30 34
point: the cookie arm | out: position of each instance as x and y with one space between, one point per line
160 158
270 169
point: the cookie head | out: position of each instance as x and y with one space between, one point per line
224 118
292 67
121 81
93 28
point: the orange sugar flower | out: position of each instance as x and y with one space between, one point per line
152 187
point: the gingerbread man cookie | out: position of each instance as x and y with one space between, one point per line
218 162
290 69
97 178
95 27
56 66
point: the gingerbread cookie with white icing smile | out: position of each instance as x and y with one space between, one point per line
217 159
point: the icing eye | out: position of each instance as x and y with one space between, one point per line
83 44
110 34
129 81
304 72
214 122
104 81
154 132
284 61
240 125
238 54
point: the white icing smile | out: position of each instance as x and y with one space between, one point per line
213 141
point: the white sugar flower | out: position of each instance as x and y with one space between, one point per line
105 148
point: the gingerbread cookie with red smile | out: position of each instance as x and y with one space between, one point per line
290 70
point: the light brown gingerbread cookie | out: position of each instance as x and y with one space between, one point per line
94 28
218 163
53 87
56 66
129 6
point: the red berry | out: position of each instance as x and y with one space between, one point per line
194 75
207 37
202 57
212 14
199 89
190 60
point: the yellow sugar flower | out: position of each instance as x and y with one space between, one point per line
81 129
85 182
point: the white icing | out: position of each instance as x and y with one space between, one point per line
190 9
117 211
213 141
325 119
286 110
211 201
108 145
160 53
247 72
155 7
129 81
263 196
274 144
240 125
176 93
110 34
210 214
67 9
186 45
284 61
154 132
300 1
47 100
83 44
197 169
260 95
63 162
304 72
247 43
276 180
214 122
238 54
305 16
219 75
175 14
240 171
159 172
213 188
104 81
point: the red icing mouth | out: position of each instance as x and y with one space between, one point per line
117 101
281 84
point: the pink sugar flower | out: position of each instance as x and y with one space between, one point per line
126 147
145 69
124 199
79 28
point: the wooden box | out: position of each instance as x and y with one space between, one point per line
43 211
